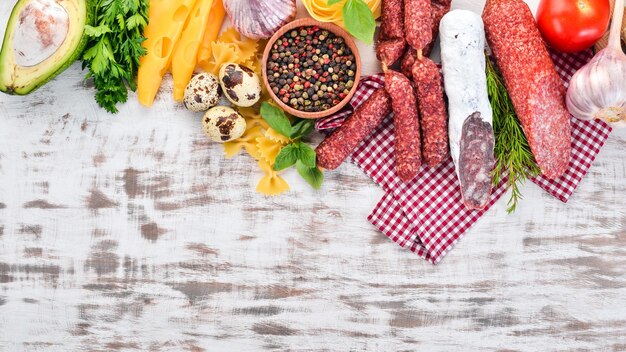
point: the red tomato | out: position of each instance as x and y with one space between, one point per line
573 25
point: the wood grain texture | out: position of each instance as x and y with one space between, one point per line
131 232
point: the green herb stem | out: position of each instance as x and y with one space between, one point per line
514 159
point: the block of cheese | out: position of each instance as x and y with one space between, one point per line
167 20
186 50
214 24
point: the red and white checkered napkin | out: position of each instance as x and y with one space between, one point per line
427 216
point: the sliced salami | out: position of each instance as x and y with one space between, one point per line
470 122
533 84
406 125
339 145
432 109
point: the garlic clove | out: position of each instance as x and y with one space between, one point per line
598 89
260 19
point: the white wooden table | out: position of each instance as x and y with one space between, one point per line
131 232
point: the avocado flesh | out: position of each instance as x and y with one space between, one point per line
42 39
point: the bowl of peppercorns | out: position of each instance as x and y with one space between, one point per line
310 68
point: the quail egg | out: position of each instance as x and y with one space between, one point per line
240 84
223 124
202 92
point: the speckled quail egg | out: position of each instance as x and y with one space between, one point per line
223 124
202 92
240 84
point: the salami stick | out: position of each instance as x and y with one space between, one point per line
470 124
532 82
406 125
336 147
418 23
432 108
392 26
389 51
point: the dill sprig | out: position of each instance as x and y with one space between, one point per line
512 152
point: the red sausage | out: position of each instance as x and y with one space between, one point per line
406 124
432 108
392 25
418 23
389 51
339 145
531 79
408 60
438 9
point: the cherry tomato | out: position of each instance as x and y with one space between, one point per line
573 25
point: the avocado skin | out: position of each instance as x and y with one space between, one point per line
89 13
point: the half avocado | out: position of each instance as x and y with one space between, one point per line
42 39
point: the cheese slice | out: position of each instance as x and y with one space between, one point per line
185 54
216 18
167 20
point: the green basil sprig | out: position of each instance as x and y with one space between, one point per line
358 19
297 152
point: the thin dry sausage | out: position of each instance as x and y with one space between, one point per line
406 125
389 51
432 108
392 24
341 143
418 23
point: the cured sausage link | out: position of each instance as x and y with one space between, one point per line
392 25
418 23
390 51
532 82
341 143
406 125
432 108
470 124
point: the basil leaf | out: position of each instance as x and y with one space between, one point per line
359 20
332 2
276 118
302 128
312 175
287 157
306 155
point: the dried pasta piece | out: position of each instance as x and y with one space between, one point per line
222 53
271 184
268 149
247 142
247 47
270 133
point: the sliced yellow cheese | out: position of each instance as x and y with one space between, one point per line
167 20
214 24
186 51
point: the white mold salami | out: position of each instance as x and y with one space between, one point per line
470 120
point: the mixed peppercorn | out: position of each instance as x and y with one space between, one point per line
311 69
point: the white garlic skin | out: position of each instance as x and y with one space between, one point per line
260 19
598 89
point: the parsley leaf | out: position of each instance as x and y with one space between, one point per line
359 20
114 49
332 2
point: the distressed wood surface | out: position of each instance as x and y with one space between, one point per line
131 232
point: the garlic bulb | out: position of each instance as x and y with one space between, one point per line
598 89
259 19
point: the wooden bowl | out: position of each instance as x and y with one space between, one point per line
338 31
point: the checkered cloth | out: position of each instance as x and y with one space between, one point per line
427 215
